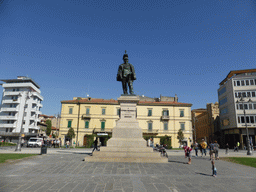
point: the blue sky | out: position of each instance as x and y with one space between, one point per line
73 48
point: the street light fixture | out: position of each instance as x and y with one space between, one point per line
241 100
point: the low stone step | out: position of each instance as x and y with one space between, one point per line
127 159
125 154
123 149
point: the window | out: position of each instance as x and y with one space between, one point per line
253 94
222 91
118 111
87 111
242 119
149 112
223 101
150 126
234 83
248 94
250 106
224 111
238 83
165 126
239 94
86 124
251 82
181 113
102 125
69 124
103 111
245 106
242 82
247 119
182 126
165 113
244 94
18 89
247 82
238 119
70 110
254 106
252 119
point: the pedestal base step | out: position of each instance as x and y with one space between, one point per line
126 154
127 159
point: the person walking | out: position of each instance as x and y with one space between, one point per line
67 144
227 148
214 169
196 149
200 149
74 144
203 145
216 150
238 146
211 150
95 145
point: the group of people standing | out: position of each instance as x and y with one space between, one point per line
202 147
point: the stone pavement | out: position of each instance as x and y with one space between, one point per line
67 172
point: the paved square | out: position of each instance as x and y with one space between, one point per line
67 172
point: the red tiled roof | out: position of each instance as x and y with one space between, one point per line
112 101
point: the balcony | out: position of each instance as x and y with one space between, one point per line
39 105
8 101
38 95
100 130
9 109
150 132
8 118
8 125
86 116
39 112
11 93
165 117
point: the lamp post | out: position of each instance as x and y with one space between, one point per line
249 150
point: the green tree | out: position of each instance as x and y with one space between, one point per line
180 136
71 133
49 127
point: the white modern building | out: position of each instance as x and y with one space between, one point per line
232 121
20 107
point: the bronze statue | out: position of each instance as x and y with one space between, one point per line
126 74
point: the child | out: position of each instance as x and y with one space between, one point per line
214 169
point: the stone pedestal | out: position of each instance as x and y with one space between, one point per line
127 143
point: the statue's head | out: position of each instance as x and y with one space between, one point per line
125 57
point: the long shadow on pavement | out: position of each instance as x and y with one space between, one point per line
177 162
203 174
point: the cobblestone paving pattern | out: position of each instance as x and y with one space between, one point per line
67 172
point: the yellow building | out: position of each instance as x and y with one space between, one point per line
157 117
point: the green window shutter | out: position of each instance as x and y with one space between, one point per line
181 113
149 112
165 126
167 112
86 124
150 126
70 110
69 124
103 125
87 111
182 126
103 111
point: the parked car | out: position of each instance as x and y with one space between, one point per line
35 142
